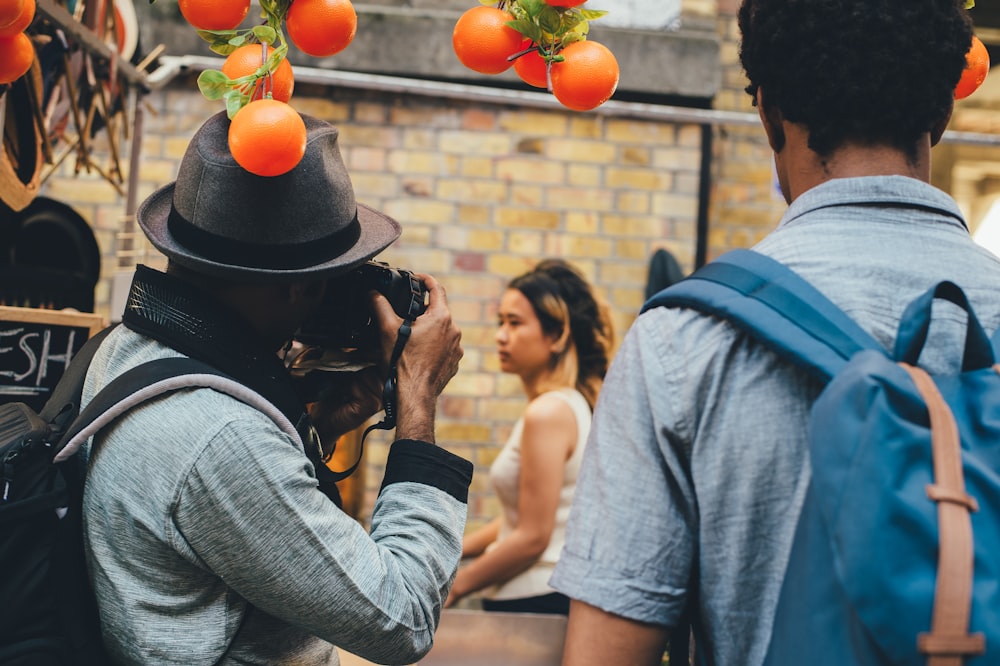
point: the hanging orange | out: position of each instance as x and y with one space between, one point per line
16 55
977 66
10 10
321 28
247 59
267 137
531 67
482 40
587 77
21 21
214 14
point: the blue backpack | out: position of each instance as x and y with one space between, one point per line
896 555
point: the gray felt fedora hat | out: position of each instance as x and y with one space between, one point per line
219 219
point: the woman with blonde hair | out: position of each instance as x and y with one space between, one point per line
555 335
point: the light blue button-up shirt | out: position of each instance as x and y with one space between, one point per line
697 462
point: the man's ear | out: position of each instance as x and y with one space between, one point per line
938 130
772 120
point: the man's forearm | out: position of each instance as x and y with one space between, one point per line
597 638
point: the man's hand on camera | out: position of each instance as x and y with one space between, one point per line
346 402
428 362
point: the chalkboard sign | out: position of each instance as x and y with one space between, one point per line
36 347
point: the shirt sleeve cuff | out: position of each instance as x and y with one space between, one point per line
422 462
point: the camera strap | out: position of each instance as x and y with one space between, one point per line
388 422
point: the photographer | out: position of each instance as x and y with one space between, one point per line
213 535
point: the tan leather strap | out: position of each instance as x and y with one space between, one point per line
949 638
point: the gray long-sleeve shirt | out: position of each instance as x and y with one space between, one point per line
208 540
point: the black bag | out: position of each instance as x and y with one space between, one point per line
48 614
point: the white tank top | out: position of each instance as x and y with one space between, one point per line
505 476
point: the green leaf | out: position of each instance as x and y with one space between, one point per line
265 33
234 102
550 20
969 4
222 48
532 7
238 40
213 84
527 28
591 14
216 35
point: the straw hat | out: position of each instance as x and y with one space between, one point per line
220 220
20 176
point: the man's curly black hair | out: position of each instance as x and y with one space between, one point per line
874 71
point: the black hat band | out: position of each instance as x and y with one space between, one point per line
258 255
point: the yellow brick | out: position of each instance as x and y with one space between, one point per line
422 116
676 159
527 195
476 167
472 286
620 272
581 199
582 222
533 122
365 159
370 113
470 214
506 409
642 226
418 139
578 246
474 143
471 383
527 218
586 127
636 156
633 202
374 185
632 249
82 190
674 205
175 147
689 135
464 432
360 135
581 150
322 108
638 179
158 171
529 170
629 298
471 190
620 130
509 266
420 211
422 162
581 175
484 240
525 242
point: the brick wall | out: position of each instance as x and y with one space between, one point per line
482 192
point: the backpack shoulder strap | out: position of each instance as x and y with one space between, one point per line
779 308
150 380
69 387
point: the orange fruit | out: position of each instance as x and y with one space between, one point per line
321 27
482 40
247 59
10 10
214 14
267 137
531 67
587 77
21 21
564 3
16 55
977 65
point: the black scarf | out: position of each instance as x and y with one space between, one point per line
178 315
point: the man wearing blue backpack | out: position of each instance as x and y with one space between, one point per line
699 462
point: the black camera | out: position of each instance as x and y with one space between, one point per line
344 320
